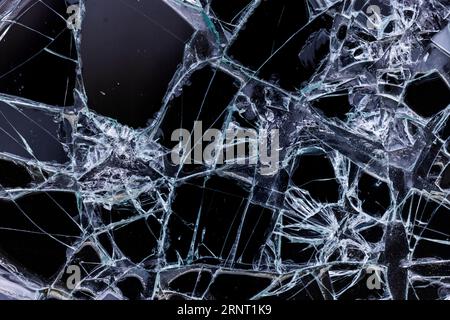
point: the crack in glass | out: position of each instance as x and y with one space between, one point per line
92 207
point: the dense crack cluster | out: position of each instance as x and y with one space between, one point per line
91 207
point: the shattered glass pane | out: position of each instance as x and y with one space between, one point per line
350 201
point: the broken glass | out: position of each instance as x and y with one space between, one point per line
91 207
